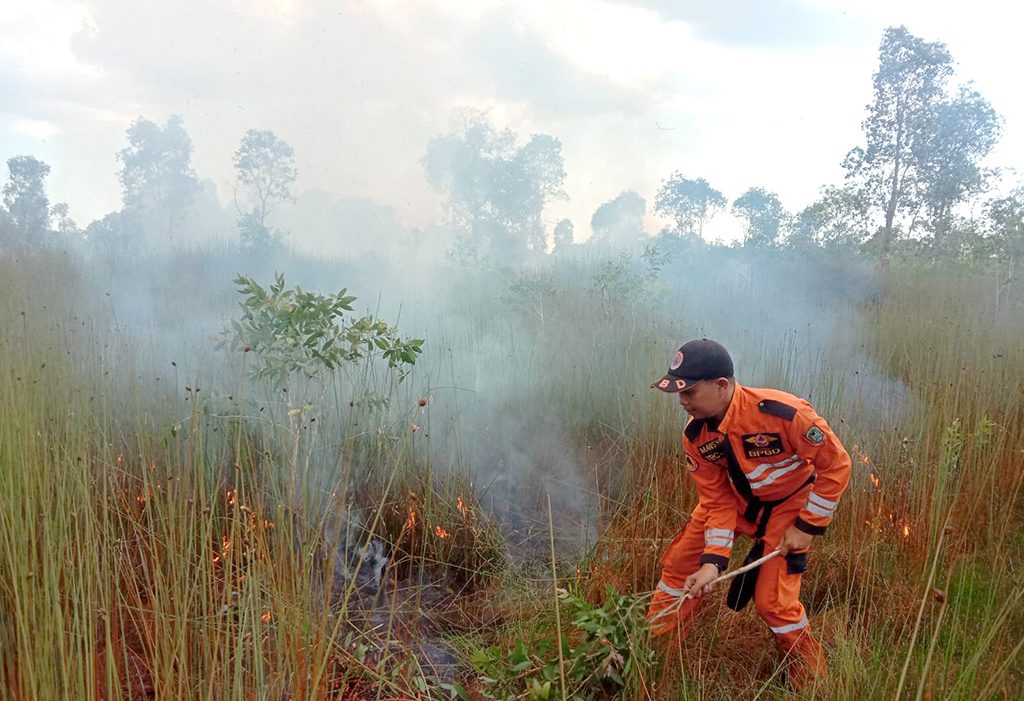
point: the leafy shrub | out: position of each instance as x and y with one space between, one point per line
604 655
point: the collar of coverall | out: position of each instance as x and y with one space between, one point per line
739 396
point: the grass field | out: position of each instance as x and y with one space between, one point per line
172 529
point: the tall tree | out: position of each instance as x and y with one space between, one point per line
265 167
966 129
63 224
839 218
496 189
563 236
1006 226
763 216
922 147
691 203
156 174
25 197
619 222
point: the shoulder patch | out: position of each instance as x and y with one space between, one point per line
691 464
778 409
815 436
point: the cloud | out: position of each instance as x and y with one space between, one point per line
781 25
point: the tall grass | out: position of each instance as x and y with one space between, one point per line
172 543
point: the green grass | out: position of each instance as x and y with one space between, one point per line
160 541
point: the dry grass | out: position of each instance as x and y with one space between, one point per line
155 548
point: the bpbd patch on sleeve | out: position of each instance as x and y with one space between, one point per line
691 464
815 436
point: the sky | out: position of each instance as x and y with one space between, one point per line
743 93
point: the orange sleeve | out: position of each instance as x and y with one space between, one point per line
718 500
818 444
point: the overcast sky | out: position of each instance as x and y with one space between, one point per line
742 92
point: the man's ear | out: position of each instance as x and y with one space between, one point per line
722 382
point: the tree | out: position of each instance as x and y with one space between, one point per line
839 218
156 174
563 236
966 129
496 189
1006 225
763 214
265 166
921 147
620 222
63 223
691 203
25 197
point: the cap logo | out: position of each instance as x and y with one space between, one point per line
663 384
676 361
680 384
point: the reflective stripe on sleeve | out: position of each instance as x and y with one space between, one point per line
718 542
822 501
671 591
720 532
779 630
818 511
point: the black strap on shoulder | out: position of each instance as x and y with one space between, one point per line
736 473
693 429
778 409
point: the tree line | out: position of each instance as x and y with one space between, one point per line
907 188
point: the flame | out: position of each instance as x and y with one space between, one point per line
411 521
120 458
230 498
874 479
141 498
267 616
441 533
462 506
906 531
267 523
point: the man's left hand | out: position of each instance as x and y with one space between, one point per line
794 540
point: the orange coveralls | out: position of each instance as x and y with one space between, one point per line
771 453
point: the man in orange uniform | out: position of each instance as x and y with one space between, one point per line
766 466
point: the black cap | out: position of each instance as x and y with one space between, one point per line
693 362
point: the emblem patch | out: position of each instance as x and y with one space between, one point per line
762 445
815 436
691 464
710 451
677 361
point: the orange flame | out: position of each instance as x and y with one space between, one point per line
906 531
411 521
874 479
267 616
441 533
462 506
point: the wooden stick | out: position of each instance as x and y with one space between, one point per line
723 578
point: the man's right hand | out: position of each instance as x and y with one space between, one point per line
699 583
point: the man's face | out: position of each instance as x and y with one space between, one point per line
706 398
